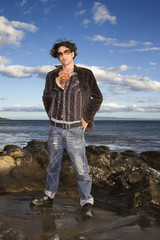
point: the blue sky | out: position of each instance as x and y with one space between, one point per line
119 40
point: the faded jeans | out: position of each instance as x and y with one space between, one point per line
74 142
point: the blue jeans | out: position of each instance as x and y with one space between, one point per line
74 142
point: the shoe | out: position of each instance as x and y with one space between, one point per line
42 200
87 210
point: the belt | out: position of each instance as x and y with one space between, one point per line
66 125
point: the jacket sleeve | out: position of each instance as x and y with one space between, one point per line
47 94
95 99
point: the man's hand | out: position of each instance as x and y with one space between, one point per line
84 124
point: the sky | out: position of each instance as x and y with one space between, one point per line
119 40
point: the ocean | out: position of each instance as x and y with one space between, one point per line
118 135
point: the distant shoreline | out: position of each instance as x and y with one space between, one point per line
4 118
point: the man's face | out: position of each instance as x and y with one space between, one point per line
65 56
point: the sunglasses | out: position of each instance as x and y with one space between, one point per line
66 52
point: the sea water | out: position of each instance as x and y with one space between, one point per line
118 135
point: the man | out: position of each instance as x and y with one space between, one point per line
71 99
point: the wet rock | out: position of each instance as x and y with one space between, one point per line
20 170
7 163
152 159
125 180
14 234
8 232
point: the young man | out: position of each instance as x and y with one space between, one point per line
71 99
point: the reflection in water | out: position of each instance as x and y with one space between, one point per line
62 221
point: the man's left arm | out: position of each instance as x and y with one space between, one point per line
95 100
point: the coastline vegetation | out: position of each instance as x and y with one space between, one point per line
4 118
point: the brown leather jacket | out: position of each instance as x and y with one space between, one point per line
91 95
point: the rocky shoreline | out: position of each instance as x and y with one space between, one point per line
127 182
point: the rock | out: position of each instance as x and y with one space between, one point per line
14 234
7 163
124 180
20 171
152 159
8 232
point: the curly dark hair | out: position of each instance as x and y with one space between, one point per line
59 43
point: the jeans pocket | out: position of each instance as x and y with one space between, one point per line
76 130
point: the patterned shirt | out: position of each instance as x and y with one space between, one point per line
67 102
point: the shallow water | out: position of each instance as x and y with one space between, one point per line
62 220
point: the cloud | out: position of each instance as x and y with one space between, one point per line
111 41
115 42
28 27
19 108
152 63
18 71
9 33
110 78
101 14
22 3
112 107
147 49
3 98
119 84
4 60
119 69
79 13
148 43
86 23
79 4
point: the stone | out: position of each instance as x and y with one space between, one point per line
124 180
7 163
14 234
152 159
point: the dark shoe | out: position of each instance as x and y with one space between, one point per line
87 210
42 200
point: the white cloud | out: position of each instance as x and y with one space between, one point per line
110 78
22 25
101 14
112 107
9 33
4 60
19 71
147 43
147 49
152 63
119 69
19 108
112 41
119 84
86 23
115 42
79 13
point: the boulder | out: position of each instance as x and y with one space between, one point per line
124 180
152 159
